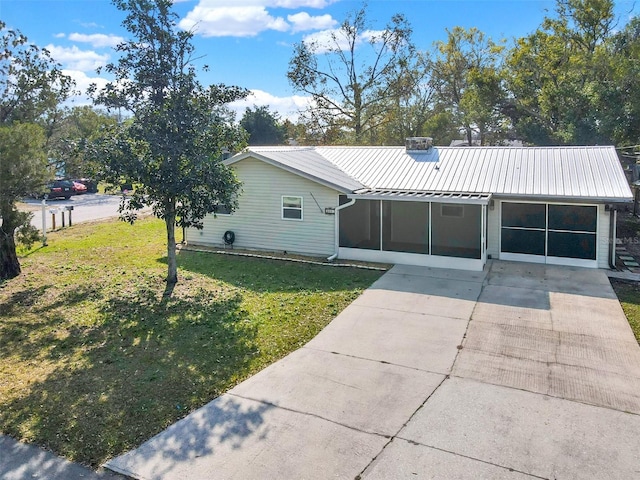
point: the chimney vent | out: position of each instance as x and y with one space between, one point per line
418 143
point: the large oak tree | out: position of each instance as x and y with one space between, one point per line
32 86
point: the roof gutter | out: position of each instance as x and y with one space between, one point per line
561 199
337 228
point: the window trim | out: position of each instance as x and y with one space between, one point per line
300 209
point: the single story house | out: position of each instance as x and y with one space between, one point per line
451 207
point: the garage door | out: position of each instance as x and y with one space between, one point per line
549 233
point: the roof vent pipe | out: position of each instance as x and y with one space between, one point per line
418 143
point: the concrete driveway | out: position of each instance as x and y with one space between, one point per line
521 371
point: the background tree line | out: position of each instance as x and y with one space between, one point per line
572 81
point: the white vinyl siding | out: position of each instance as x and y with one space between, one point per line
257 222
602 252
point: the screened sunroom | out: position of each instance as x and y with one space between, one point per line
429 229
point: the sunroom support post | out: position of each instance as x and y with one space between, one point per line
381 226
337 228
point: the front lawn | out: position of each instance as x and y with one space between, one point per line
93 359
629 295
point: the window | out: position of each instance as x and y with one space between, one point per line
572 231
291 208
222 210
523 228
524 215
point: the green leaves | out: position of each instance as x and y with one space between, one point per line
31 83
467 77
351 87
263 127
31 88
172 147
23 163
556 74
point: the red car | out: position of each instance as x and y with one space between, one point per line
79 188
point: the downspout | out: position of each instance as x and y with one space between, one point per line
337 228
613 217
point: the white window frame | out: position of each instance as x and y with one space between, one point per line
300 209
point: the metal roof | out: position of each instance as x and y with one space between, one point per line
304 161
578 173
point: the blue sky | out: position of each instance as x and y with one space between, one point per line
249 42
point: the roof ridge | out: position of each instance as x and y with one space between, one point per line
273 148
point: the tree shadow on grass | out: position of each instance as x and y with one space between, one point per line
21 299
23 336
103 387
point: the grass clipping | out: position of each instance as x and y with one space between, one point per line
93 359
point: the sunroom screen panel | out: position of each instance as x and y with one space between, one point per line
360 225
405 226
458 235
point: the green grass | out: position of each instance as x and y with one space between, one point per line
94 360
629 295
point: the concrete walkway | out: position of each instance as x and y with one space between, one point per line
521 371
19 461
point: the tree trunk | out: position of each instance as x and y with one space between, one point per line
469 135
357 111
9 265
170 221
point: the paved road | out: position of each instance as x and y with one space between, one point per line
519 372
87 207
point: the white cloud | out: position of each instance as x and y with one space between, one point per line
59 35
291 4
231 21
247 18
297 3
91 25
326 40
73 58
83 81
287 107
303 21
97 40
